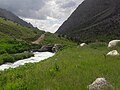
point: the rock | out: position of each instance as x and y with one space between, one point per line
113 43
100 83
49 48
56 47
113 53
46 48
83 44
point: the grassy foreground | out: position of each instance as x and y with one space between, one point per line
72 68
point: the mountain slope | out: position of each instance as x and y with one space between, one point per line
92 19
15 38
10 16
13 30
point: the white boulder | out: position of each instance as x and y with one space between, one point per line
113 43
99 84
83 44
113 53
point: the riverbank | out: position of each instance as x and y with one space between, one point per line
38 56
4 58
72 68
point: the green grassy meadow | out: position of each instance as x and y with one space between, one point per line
72 68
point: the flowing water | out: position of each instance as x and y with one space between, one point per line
38 56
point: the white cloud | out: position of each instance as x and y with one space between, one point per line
49 25
44 14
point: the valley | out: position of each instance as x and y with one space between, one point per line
77 54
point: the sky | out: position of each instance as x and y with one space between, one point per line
47 15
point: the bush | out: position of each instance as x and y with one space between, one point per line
2 51
11 50
14 57
98 44
22 56
8 58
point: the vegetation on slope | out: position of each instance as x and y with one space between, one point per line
93 20
73 68
15 38
103 31
15 30
54 39
14 57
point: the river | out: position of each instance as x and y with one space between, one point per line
38 56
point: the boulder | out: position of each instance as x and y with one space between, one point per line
50 48
113 53
113 43
46 48
99 84
83 44
56 47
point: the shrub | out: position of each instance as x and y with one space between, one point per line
2 51
14 57
8 58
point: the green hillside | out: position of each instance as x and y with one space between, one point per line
15 38
73 68
15 30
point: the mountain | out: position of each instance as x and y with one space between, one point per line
10 16
93 20
10 29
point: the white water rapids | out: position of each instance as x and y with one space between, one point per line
38 56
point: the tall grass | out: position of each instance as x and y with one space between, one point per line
72 68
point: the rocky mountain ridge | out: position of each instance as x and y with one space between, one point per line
93 20
10 16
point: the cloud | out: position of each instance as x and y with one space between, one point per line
49 25
46 14
24 8
68 4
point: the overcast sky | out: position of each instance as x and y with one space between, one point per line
47 15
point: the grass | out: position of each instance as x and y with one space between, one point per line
53 39
14 57
15 30
15 38
10 50
73 68
15 46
